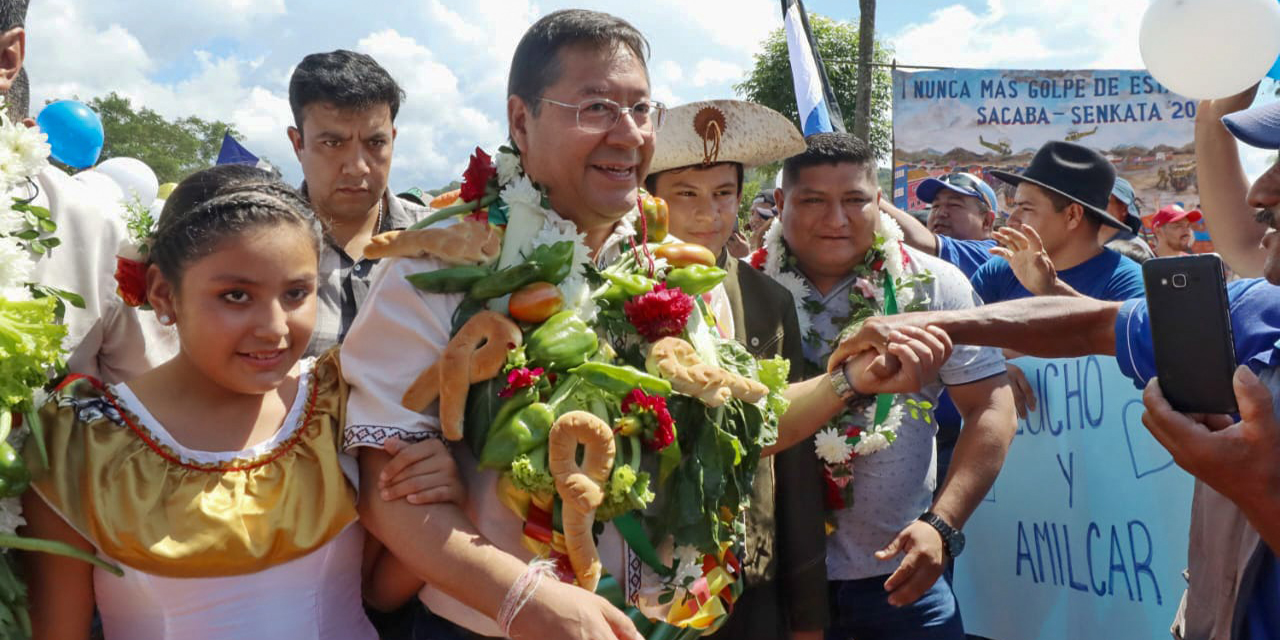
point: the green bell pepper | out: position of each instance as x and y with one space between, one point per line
554 261
562 342
523 432
696 279
621 380
14 476
625 287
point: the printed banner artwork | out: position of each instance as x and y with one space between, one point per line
977 120
1084 533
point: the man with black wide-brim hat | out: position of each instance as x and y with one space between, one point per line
1060 203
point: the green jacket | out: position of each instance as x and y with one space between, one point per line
785 563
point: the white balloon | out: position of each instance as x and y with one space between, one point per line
101 187
1205 49
135 178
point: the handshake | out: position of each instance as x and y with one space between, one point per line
891 354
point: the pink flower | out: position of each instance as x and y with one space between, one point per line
520 378
864 286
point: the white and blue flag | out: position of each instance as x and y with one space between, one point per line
819 111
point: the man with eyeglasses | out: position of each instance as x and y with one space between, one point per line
579 112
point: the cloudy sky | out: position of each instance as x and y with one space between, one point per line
231 59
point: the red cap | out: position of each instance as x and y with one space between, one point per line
1173 213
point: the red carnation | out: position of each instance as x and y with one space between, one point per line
758 258
833 498
660 313
476 178
877 265
131 281
520 378
659 428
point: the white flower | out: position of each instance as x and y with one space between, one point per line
10 515
15 264
508 167
870 443
688 564
774 248
23 153
833 448
522 191
10 221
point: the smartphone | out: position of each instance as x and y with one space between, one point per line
1191 331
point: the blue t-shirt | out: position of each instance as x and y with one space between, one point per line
1106 276
967 255
1255 325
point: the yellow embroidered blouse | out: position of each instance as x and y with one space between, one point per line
145 501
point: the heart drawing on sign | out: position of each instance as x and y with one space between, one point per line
1145 452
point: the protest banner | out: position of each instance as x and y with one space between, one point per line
1084 533
977 120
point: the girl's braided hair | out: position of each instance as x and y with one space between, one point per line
219 203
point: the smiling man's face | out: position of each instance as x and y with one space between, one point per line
828 215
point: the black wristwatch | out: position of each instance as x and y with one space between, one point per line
952 538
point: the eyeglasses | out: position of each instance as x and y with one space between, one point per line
597 115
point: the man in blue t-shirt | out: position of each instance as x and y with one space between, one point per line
1233 590
962 213
1060 202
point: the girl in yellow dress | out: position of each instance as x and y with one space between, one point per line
216 480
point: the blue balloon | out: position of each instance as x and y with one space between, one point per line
75 133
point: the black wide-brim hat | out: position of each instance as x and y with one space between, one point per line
1074 171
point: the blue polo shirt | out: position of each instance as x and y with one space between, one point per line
1255 323
1106 276
967 255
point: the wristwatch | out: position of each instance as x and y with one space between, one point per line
843 388
952 538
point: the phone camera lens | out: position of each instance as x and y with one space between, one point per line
1179 280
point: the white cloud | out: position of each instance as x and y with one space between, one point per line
1027 34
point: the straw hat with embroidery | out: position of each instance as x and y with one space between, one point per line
711 131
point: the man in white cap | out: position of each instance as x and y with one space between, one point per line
697 168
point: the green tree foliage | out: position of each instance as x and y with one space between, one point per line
172 148
770 82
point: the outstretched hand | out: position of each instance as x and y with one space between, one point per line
1021 246
910 359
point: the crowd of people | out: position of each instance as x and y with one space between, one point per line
245 450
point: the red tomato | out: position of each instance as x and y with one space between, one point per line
535 302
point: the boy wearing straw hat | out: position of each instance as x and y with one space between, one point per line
697 168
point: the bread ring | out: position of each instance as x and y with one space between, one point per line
464 243
677 361
480 350
581 487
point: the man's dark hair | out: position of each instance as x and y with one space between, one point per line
13 13
829 149
346 79
651 180
17 102
536 62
